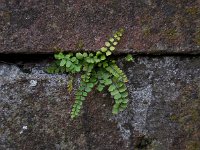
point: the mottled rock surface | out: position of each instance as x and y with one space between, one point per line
152 26
163 113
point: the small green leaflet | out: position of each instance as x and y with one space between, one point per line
108 53
100 87
107 44
68 63
63 62
111 87
79 56
104 49
129 58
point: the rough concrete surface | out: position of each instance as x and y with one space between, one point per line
163 112
152 26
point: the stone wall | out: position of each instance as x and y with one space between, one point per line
164 90
152 26
163 112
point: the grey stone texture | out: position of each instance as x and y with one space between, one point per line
152 26
163 111
164 91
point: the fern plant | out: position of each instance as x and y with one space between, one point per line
97 71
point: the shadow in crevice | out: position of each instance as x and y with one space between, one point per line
27 58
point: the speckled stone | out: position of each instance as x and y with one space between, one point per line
152 26
163 112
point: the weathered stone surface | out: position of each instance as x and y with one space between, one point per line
163 113
152 26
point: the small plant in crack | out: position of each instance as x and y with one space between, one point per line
98 70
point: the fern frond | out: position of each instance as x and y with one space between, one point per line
104 79
70 62
96 71
117 88
87 68
109 45
82 92
79 98
55 68
119 91
116 71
